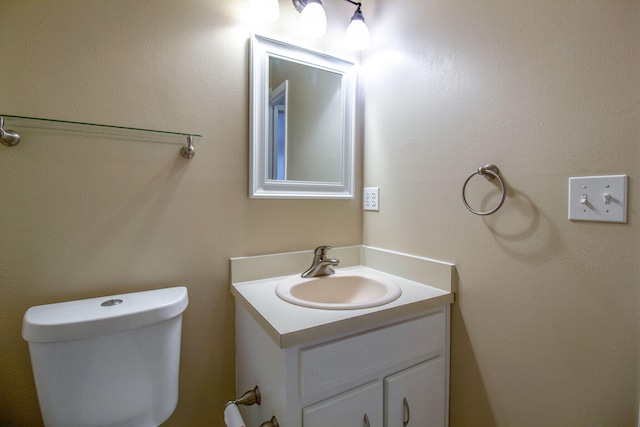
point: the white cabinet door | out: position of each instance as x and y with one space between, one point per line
360 407
415 397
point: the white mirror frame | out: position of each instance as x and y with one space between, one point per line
262 48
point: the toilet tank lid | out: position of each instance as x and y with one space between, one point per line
102 316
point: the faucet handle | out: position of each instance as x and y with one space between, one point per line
321 251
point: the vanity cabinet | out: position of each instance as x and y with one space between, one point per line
414 396
392 371
354 408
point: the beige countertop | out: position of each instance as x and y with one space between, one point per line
289 324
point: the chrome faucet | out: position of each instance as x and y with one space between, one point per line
321 265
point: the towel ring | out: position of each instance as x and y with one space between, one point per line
489 172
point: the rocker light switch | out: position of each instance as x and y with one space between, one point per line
598 198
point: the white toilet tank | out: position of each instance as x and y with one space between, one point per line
110 361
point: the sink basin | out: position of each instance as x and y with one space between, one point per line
340 291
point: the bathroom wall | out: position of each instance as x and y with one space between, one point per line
545 327
86 215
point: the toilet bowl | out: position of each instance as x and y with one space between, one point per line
110 361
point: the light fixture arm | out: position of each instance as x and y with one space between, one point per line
300 4
355 3
358 13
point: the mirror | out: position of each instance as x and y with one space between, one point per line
302 122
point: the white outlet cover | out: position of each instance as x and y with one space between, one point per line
371 199
588 200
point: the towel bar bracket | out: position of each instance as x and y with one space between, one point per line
188 151
8 137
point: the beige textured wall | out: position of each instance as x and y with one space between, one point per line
87 215
545 323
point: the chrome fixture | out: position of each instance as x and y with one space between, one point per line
8 137
321 265
313 23
490 172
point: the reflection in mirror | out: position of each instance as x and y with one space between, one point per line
313 143
278 101
302 122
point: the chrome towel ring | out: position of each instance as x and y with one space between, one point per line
489 172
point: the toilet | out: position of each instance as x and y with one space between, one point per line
110 361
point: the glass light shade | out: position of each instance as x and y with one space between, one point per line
313 20
264 10
357 35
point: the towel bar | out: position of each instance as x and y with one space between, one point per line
11 137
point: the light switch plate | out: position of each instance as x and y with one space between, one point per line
598 198
371 198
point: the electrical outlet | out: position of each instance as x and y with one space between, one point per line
598 198
371 199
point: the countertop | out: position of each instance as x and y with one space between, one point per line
288 324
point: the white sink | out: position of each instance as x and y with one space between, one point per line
340 291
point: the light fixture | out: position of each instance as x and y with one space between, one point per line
313 23
313 20
357 36
264 10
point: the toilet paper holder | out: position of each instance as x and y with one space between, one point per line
273 422
248 398
251 397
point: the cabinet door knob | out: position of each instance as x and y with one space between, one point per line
406 412
366 420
